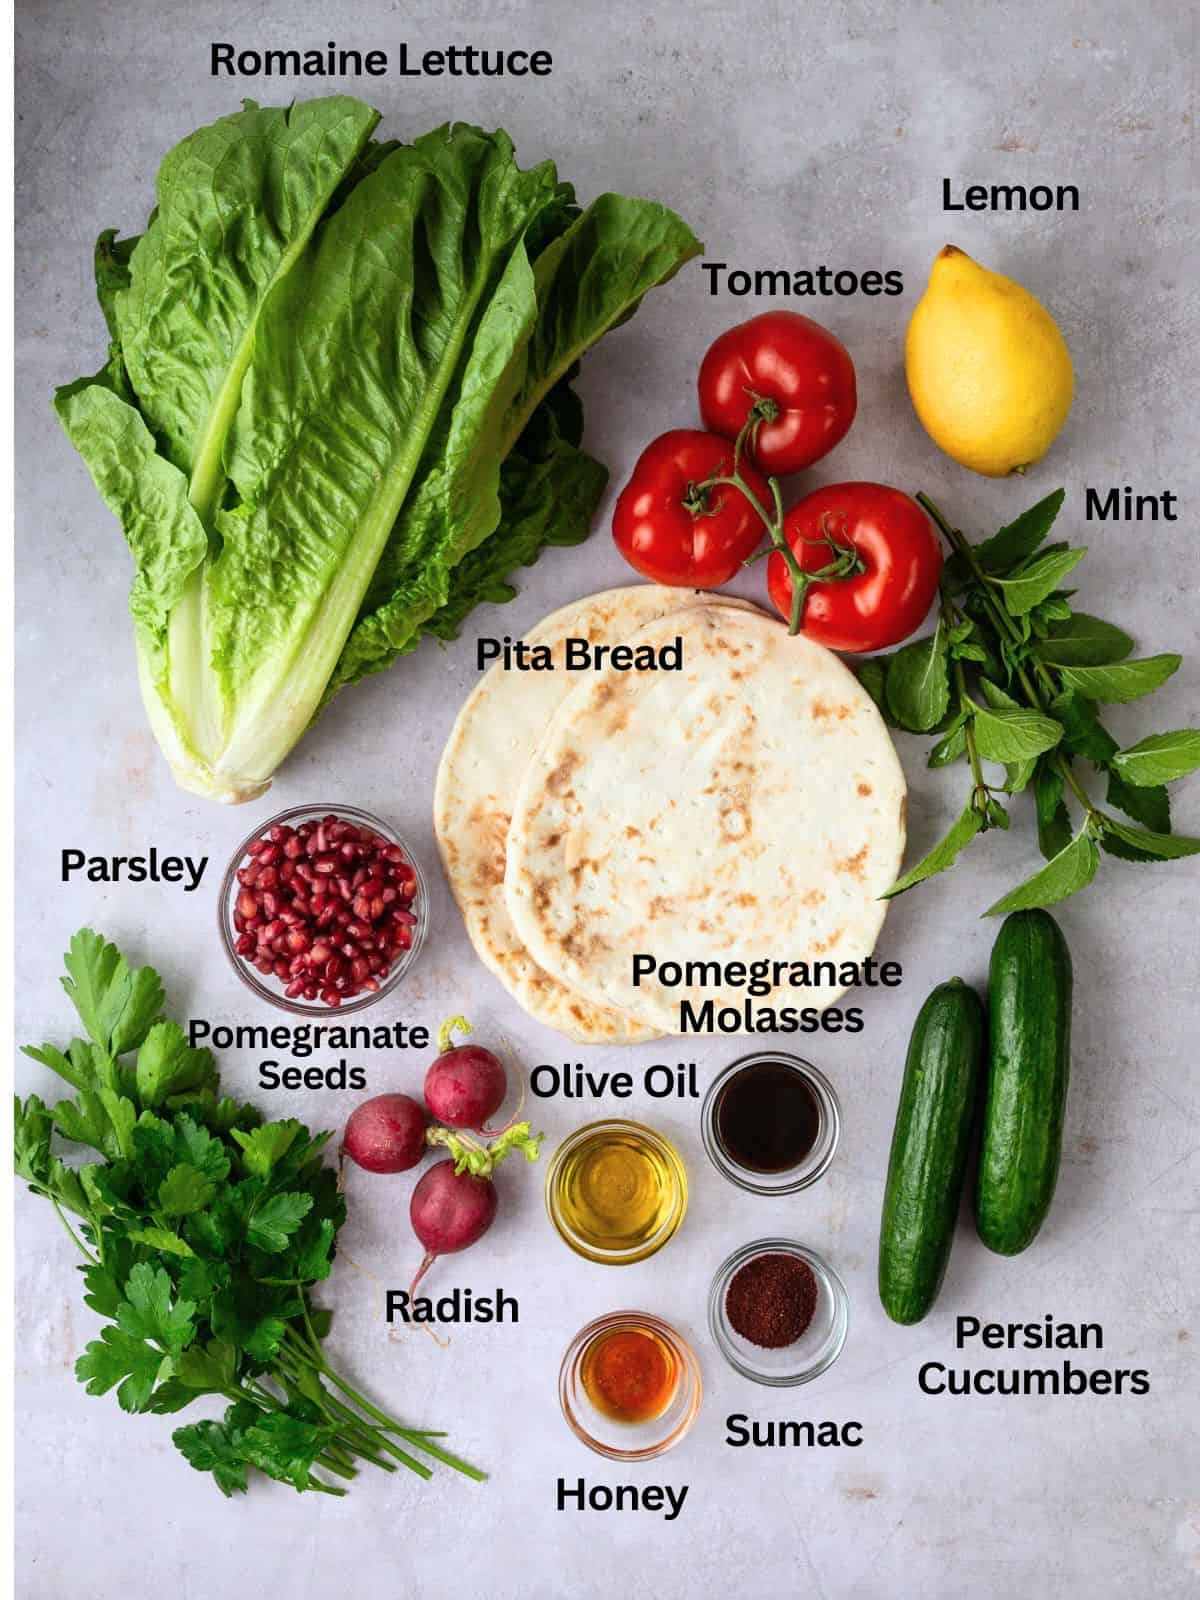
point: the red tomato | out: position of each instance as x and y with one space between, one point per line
898 550
793 362
670 531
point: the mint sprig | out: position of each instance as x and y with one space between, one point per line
1012 675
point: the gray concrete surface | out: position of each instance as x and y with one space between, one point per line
787 136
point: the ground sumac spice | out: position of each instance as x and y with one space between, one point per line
771 1300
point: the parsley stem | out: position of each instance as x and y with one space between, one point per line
62 1217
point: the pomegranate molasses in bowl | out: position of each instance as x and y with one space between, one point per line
770 1123
629 1386
778 1313
323 909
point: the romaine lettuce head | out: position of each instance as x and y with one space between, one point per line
335 411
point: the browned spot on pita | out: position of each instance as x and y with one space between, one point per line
661 906
745 899
855 864
559 779
605 692
631 832
812 897
821 710
864 788
704 925
491 829
541 894
619 720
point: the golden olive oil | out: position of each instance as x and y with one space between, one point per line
616 1191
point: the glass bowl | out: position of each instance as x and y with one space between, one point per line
812 1166
629 1441
817 1348
272 988
563 1179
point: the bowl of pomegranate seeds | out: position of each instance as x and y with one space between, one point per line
322 908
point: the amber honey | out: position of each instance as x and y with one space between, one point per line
630 1374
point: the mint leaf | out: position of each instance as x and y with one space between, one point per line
1039 578
1156 846
918 683
1017 775
1053 822
1159 758
999 699
950 748
1072 869
1084 641
1123 681
943 854
1083 732
1018 540
271 1224
1151 806
1014 735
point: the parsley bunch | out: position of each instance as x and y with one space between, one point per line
1013 675
203 1229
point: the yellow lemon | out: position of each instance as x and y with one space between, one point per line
988 371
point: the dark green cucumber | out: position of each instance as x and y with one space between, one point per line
1029 1001
939 1103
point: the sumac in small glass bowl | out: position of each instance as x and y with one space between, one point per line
323 908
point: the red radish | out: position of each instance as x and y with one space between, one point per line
449 1211
386 1134
466 1084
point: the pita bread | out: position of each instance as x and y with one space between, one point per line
749 807
484 761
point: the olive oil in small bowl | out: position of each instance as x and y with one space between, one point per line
616 1191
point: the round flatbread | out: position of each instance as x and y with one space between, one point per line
750 807
484 761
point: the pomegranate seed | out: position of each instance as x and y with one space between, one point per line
324 907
